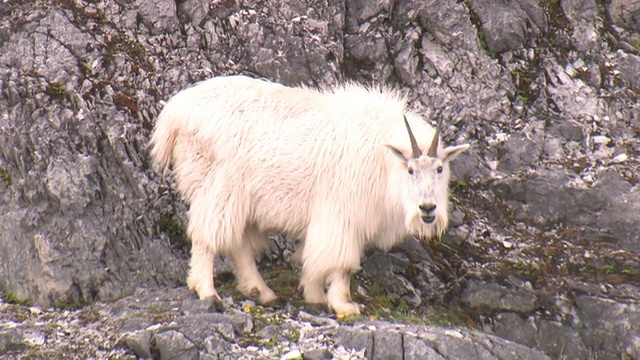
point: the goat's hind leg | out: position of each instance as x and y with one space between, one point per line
204 247
200 278
250 282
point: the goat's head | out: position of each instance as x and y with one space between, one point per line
425 184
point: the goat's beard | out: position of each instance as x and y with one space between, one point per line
426 232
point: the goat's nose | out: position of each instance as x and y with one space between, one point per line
427 207
427 210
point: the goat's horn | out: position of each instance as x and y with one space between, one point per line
415 150
433 150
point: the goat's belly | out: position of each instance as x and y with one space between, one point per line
282 214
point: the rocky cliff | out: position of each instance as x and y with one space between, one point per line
543 249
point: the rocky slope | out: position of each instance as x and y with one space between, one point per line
543 249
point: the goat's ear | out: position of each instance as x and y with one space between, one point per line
452 152
397 153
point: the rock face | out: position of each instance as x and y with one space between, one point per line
546 202
175 325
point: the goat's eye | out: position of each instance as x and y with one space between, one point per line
439 169
410 171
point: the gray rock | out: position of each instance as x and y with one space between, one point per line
569 130
11 341
58 197
416 348
618 326
490 296
269 332
364 10
509 25
216 345
559 340
199 327
140 343
513 327
458 345
519 153
579 9
406 64
618 201
178 335
630 65
318 354
546 199
582 15
624 13
173 344
408 275
554 338
388 345
356 339
195 10
227 331
159 16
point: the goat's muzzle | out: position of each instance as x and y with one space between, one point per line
427 212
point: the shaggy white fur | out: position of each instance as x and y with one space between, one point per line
331 167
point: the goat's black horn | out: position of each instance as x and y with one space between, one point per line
415 150
433 150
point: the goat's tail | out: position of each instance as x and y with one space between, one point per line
163 140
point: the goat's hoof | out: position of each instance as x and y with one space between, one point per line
275 304
317 308
215 304
254 294
346 309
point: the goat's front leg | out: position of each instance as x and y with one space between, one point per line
339 293
312 286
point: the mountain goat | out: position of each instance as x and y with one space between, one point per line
341 169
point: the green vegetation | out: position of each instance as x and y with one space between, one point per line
56 90
89 315
609 269
117 296
635 42
630 272
62 303
295 336
35 353
445 316
526 269
482 36
380 306
13 298
459 186
174 227
154 309
262 318
284 280
5 177
557 18
524 78
270 343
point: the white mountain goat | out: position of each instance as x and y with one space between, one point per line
338 168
